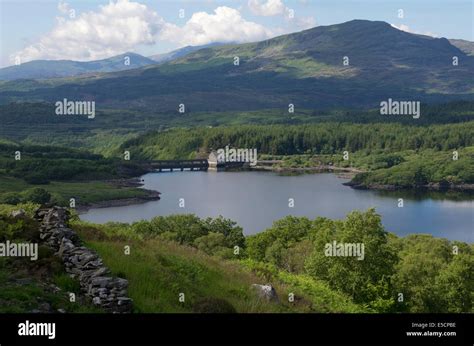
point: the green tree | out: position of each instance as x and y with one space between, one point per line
455 284
211 243
422 258
350 274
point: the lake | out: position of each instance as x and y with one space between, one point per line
255 199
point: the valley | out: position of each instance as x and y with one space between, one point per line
386 107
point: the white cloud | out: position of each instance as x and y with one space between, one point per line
63 7
224 25
115 28
267 7
406 28
123 25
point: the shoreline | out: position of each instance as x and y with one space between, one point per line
341 172
151 195
428 187
350 172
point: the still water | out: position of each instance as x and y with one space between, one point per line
255 199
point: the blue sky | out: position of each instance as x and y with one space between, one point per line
46 29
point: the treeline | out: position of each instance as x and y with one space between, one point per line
326 138
42 164
422 169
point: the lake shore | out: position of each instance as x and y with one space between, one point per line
137 182
351 172
427 187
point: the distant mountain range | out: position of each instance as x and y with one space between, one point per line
41 69
353 64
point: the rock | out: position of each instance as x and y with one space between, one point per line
61 311
44 307
109 293
18 213
266 292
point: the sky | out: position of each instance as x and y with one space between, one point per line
88 30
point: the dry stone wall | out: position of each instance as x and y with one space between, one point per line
105 291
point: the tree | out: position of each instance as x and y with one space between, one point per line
350 274
37 195
211 243
422 258
455 284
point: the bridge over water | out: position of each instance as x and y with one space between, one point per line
192 165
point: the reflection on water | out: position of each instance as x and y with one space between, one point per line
256 199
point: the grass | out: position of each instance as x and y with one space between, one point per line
84 192
22 292
158 271
43 284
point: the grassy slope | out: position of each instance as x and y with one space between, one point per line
84 192
26 285
158 271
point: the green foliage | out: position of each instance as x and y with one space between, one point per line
423 168
277 245
328 138
210 235
421 267
22 282
210 243
37 195
352 275
42 164
29 208
432 278
320 296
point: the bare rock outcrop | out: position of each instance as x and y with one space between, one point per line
266 292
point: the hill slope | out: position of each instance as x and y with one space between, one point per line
304 68
38 69
181 52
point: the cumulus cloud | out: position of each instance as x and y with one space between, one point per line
267 7
115 28
224 25
123 25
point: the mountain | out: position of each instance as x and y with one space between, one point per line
305 69
466 46
181 52
42 69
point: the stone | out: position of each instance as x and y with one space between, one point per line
18 213
109 293
266 292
